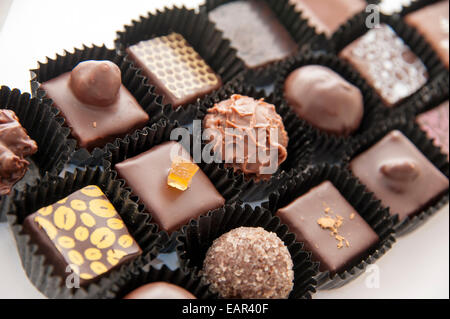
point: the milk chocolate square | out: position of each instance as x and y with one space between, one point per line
255 31
432 22
399 175
82 234
146 174
328 15
435 124
330 228
387 64
177 71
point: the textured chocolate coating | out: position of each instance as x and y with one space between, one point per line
432 22
95 125
328 15
399 175
15 145
177 71
389 7
255 31
160 290
246 116
96 82
435 124
336 251
83 234
387 64
249 263
146 174
324 99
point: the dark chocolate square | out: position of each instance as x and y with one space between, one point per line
328 15
82 233
94 126
255 31
399 175
432 22
387 64
177 71
336 251
146 174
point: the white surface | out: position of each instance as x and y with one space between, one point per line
417 266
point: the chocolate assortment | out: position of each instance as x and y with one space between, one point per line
355 118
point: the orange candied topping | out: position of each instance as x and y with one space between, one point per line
181 173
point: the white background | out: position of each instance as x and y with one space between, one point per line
417 266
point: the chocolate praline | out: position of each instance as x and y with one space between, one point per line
15 146
160 290
249 263
324 99
243 129
95 104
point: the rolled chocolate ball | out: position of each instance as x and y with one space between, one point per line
96 82
160 290
249 263
244 132
325 100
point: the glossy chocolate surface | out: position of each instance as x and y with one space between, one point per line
255 31
324 99
177 71
330 227
435 123
146 174
328 15
98 118
160 290
432 22
15 145
399 175
82 234
387 64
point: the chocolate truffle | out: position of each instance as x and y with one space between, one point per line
330 227
324 99
177 71
328 15
83 234
15 145
95 104
249 263
432 23
399 175
387 64
435 124
248 135
171 208
390 7
160 290
255 31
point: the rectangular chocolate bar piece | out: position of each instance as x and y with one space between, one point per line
330 228
177 71
82 234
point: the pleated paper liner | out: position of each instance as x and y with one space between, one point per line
148 273
426 146
198 236
132 78
45 128
362 201
298 27
23 203
356 27
299 148
142 141
196 29
372 105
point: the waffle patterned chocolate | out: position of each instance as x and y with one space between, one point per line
387 63
175 68
86 230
